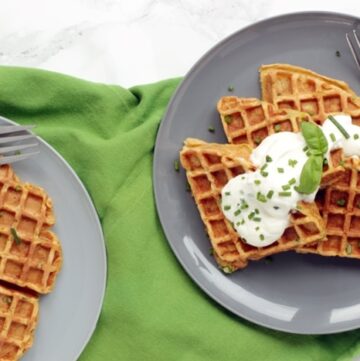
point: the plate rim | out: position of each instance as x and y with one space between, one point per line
97 224
157 190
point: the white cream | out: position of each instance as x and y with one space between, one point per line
258 203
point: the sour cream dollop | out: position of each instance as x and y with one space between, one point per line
259 203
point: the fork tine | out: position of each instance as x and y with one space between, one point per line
16 158
16 138
353 51
5 129
14 148
356 38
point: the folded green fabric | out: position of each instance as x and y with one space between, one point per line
152 309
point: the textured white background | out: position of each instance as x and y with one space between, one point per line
130 41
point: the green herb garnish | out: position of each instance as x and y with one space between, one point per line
257 181
337 53
311 173
257 219
257 140
285 187
292 181
292 162
18 188
251 215
236 213
277 128
261 197
280 170
340 127
227 208
17 152
341 202
230 88
227 119
228 269
262 237
176 165
264 174
284 194
356 136
270 194
268 158
342 163
211 129
227 193
15 236
332 137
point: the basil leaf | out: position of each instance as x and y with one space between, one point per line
314 138
310 176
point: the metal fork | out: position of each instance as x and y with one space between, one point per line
353 45
14 143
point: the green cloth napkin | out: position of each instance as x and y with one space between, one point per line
152 309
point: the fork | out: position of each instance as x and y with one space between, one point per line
355 53
14 141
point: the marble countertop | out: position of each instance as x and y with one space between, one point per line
130 42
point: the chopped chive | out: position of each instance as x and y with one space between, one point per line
257 181
270 194
292 181
257 140
305 149
264 174
337 53
211 129
268 158
292 162
341 202
228 269
15 236
284 194
280 170
176 165
261 198
262 237
285 187
332 137
348 248
227 119
340 127
237 212
227 193
251 215
242 177
264 166
256 211
244 206
277 128
238 223
356 136
18 188
230 88
242 221
211 251
257 228
257 219
227 207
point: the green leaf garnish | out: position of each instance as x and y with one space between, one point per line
277 128
211 129
270 194
292 162
314 138
15 236
280 170
310 176
176 165
268 158
227 207
284 194
340 127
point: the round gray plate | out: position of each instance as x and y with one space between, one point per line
296 293
69 314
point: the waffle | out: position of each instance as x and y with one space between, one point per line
208 168
292 87
30 254
250 120
298 88
339 205
18 319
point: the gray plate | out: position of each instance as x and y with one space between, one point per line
69 314
296 293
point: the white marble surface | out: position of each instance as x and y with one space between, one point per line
129 42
